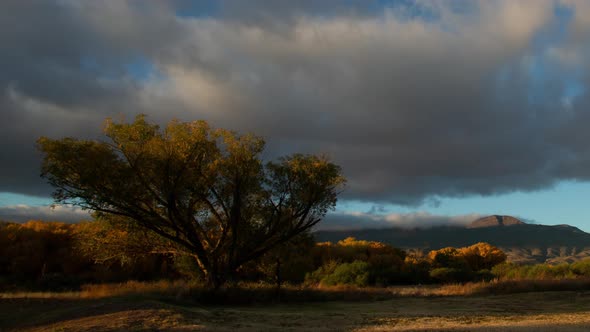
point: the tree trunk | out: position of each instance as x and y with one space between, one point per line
278 278
214 281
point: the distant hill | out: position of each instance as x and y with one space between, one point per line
495 220
522 242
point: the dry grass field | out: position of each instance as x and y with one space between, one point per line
138 308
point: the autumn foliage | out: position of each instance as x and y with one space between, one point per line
482 256
51 255
205 192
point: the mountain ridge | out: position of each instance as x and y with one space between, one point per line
522 242
495 221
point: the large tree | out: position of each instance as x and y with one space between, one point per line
206 191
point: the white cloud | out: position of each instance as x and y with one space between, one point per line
420 219
22 213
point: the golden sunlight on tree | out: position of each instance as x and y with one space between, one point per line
205 191
482 256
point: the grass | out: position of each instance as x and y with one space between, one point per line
95 291
175 306
263 293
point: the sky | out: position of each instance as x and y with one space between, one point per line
438 112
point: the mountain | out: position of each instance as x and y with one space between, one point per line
495 220
522 242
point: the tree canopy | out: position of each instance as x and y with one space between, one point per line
206 191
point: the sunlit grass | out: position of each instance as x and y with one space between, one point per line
96 291
260 292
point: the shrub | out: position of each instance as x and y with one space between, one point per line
450 275
510 271
356 273
545 271
323 271
415 270
447 257
506 271
484 275
581 268
482 256
351 249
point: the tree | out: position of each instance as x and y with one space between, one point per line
448 257
40 254
289 261
482 256
385 263
114 241
206 190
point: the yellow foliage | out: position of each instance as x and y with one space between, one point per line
351 249
447 252
482 256
52 227
478 256
204 190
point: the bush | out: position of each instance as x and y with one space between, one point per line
323 271
383 276
416 270
510 271
484 275
544 271
356 273
505 271
581 268
482 256
447 258
450 275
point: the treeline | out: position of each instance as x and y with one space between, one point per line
367 263
51 255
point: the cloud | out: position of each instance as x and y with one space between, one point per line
22 213
359 220
414 100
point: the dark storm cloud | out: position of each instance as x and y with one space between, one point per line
62 71
415 101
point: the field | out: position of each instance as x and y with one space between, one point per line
414 311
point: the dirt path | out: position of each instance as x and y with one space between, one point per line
569 311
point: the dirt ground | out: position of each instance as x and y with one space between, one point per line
541 311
